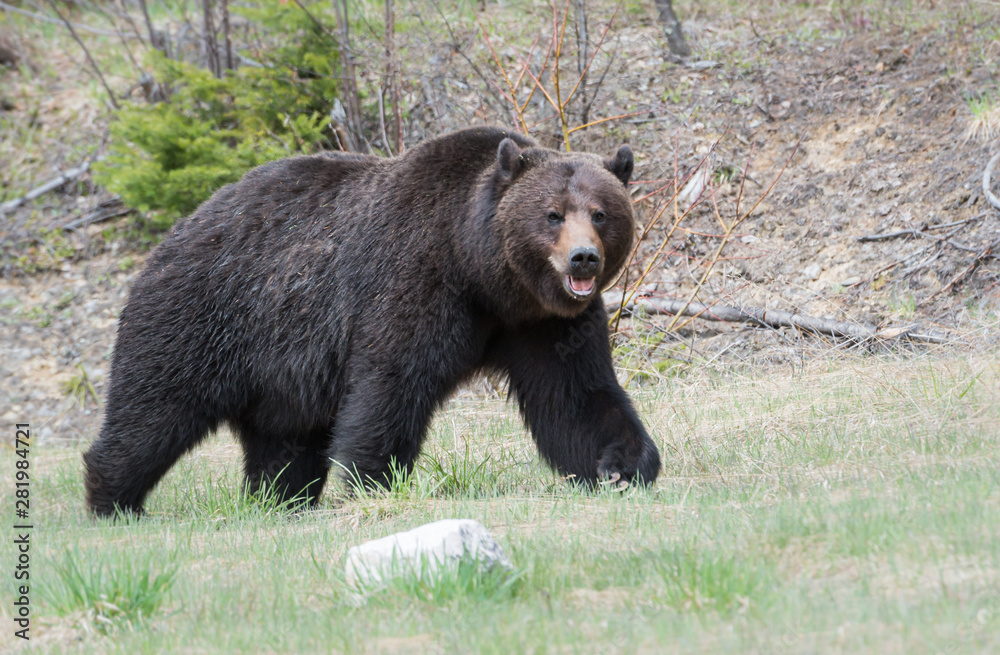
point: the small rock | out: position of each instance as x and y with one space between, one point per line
851 281
424 550
812 271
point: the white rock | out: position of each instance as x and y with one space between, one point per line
812 271
422 550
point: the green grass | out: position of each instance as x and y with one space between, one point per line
448 586
850 507
110 593
985 109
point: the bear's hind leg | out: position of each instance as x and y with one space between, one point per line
136 447
294 466
379 432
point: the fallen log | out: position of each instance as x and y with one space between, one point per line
54 183
774 318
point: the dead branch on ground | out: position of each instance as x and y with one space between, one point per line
54 183
935 246
976 261
107 210
780 319
923 232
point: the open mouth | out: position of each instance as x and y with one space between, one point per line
580 287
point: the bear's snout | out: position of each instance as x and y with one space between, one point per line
584 262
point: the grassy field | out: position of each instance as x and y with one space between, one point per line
848 507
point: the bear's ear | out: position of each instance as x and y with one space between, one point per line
509 159
621 164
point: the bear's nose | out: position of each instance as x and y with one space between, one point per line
584 262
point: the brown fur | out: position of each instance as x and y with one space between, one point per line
325 306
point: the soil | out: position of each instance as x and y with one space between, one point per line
869 125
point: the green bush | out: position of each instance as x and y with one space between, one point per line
166 158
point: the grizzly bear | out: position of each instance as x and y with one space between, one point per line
324 306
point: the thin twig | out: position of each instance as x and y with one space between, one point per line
924 232
457 48
888 235
507 80
319 25
123 12
602 120
558 104
596 88
98 216
69 26
986 252
583 76
119 33
946 239
731 228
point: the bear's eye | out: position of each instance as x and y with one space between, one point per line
598 217
555 218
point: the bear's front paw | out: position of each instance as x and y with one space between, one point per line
618 468
610 477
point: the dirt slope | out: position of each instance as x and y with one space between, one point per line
878 117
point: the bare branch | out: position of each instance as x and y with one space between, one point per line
603 120
583 75
149 27
93 64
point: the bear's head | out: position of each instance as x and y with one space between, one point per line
565 220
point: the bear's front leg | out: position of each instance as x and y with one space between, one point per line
582 420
